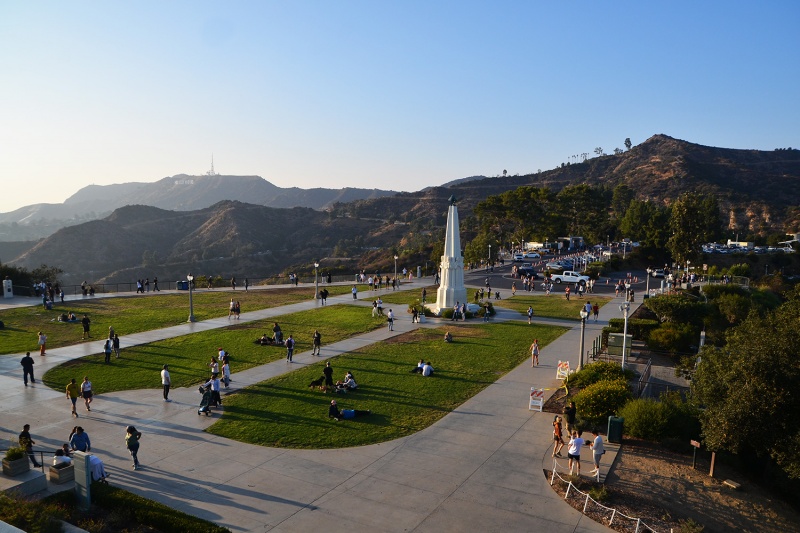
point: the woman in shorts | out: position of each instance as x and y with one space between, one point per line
558 440
86 392
574 452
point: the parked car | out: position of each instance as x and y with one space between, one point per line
532 255
518 257
554 265
657 273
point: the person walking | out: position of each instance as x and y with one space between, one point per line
246 284
42 343
132 437
73 391
86 392
226 372
26 443
354 290
530 314
595 311
27 368
289 349
316 342
165 382
80 440
155 285
115 344
535 353
85 322
108 347
558 439
390 319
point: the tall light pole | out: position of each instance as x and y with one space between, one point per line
396 281
584 314
316 280
489 261
190 280
625 308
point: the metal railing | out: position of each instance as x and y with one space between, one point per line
34 452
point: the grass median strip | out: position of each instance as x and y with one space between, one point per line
553 306
188 356
135 313
285 412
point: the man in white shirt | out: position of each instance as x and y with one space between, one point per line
390 319
427 370
215 388
165 382
597 451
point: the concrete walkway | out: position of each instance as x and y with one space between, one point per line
477 469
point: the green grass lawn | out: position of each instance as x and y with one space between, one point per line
188 356
132 314
284 412
553 306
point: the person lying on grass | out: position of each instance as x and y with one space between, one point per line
336 414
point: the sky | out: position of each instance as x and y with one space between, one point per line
377 94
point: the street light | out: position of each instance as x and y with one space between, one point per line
316 281
190 279
625 308
584 314
489 261
396 281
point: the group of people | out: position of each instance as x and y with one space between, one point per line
576 442
234 309
143 285
79 440
425 368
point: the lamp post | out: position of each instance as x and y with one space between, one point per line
397 282
316 280
190 279
584 314
625 308
489 260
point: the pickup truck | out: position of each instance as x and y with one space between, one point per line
569 276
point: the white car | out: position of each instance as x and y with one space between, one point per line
569 276
518 257
532 255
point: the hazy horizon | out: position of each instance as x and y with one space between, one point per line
376 95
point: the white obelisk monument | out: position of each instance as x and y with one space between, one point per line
451 287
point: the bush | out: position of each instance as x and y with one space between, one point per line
599 494
673 338
645 419
31 516
599 371
14 453
597 402
678 308
640 328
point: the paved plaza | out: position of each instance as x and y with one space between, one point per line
477 469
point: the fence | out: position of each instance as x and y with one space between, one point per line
644 378
599 507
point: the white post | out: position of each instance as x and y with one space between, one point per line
316 281
624 308
190 280
584 314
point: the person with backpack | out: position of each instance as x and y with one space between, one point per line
289 349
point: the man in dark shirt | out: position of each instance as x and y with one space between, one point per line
85 321
569 414
26 442
27 368
328 372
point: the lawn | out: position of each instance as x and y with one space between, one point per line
284 412
135 313
188 356
553 306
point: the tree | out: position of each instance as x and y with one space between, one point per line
628 143
621 199
598 151
750 385
617 151
582 211
694 220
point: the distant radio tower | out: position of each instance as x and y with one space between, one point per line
211 172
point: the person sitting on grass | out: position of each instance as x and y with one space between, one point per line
427 370
448 337
264 340
344 414
348 384
418 369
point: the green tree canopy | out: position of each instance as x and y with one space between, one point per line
749 388
694 220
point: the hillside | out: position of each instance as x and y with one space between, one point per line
758 190
231 238
176 193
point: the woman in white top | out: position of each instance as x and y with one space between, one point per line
61 458
574 451
86 392
597 451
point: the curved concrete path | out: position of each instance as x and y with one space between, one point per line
477 469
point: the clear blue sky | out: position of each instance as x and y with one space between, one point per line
393 95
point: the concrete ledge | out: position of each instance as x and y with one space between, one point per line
26 484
